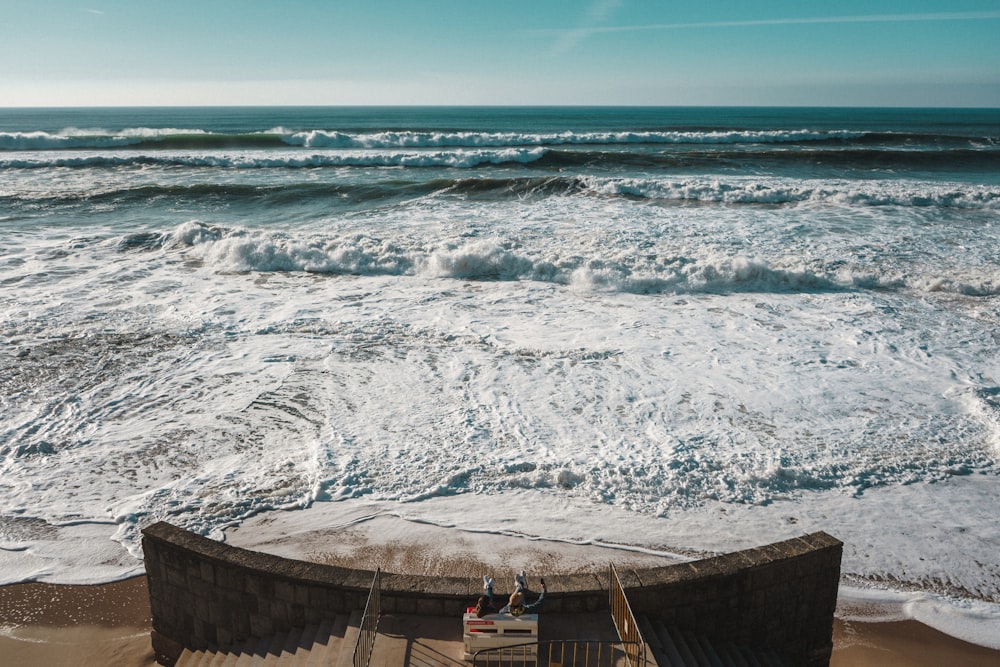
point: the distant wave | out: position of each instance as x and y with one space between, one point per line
222 156
195 139
681 191
929 158
456 158
238 250
734 191
73 138
780 191
329 139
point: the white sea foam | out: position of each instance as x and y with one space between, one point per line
663 360
273 160
85 138
744 190
605 269
410 139
100 138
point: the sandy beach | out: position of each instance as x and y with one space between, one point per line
47 624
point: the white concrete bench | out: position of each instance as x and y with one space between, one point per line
497 631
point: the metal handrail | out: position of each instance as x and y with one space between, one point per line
369 623
625 621
579 652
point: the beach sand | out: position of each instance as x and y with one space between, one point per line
55 625
46 624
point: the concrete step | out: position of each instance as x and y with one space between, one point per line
189 658
672 656
350 639
322 642
673 647
708 649
299 647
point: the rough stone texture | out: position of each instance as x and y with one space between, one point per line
204 593
779 596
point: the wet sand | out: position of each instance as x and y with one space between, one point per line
53 625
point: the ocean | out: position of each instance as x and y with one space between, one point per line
676 329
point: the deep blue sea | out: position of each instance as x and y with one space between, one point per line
729 325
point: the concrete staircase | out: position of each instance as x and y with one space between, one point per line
673 647
330 644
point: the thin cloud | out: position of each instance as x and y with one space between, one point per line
598 12
94 11
576 34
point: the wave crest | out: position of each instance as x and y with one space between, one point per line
236 250
413 139
779 191
461 159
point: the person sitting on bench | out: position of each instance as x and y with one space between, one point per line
516 604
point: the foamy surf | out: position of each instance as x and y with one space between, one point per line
588 333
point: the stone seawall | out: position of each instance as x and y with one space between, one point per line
781 596
205 593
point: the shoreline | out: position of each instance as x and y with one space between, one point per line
101 624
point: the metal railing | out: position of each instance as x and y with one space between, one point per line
369 623
569 653
625 621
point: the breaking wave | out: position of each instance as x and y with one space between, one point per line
234 250
456 159
73 138
173 138
411 139
782 191
681 191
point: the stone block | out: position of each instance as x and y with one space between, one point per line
455 606
253 584
597 603
317 597
301 594
266 587
200 608
176 577
297 616
405 604
241 627
664 576
362 580
210 634
430 606
284 591
278 611
335 601
219 613
249 604
235 579
260 625
573 604
225 637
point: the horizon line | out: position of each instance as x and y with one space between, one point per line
502 106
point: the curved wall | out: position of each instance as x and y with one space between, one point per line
205 593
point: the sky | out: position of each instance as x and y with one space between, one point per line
500 52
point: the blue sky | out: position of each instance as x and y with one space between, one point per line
503 52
